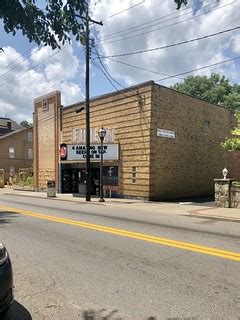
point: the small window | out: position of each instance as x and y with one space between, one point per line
45 106
206 124
12 171
134 174
11 152
30 154
30 136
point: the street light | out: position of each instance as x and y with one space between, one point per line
101 134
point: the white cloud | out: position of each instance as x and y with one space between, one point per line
222 15
24 78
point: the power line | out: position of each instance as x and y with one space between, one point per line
17 59
198 69
141 68
153 20
174 44
31 68
116 14
169 25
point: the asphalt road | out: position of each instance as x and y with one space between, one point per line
85 261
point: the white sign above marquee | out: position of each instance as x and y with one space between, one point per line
78 152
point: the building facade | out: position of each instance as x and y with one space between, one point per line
16 152
160 143
7 125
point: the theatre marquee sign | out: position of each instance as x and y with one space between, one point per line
78 152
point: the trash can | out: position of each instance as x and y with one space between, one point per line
51 189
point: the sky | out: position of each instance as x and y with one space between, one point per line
28 71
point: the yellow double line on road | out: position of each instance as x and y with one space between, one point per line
134 235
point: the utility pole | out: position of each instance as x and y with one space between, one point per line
88 161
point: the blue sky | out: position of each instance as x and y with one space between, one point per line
28 71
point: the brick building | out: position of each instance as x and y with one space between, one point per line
160 143
16 151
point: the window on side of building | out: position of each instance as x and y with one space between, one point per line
30 136
206 124
134 174
30 154
11 152
12 171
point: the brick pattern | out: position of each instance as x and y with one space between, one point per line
187 165
149 166
47 125
233 164
45 175
131 124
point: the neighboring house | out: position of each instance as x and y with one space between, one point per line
7 125
160 143
16 151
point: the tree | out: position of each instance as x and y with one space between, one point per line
215 89
51 25
26 124
233 143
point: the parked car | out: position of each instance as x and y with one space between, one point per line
6 280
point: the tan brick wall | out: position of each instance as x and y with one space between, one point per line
233 164
122 112
187 165
46 135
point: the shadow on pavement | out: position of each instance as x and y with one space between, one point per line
7 217
103 315
17 312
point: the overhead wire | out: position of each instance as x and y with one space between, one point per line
30 68
57 77
173 44
16 59
141 68
169 25
120 12
156 19
200 68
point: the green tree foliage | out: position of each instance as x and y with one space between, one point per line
180 3
50 25
26 124
47 22
233 143
216 89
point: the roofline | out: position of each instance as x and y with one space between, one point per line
113 93
188 95
46 96
13 132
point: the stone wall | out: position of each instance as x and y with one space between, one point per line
235 195
227 193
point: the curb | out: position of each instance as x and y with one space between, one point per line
68 200
219 218
198 214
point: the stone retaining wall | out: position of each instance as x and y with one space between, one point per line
227 193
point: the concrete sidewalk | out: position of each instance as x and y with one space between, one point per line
204 210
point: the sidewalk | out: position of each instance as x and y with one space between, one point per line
204 210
